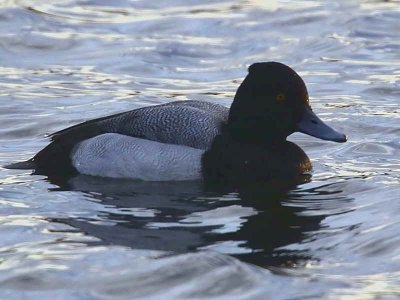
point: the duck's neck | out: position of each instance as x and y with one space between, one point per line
248 132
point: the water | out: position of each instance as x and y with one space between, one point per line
63 62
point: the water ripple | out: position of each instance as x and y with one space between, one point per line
71 60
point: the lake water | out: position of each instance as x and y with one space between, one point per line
335 237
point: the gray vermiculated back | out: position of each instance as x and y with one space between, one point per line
189 123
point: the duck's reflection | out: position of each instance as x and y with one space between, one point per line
253 223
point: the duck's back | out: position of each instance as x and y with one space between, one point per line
188 123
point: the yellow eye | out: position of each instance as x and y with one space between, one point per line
280 97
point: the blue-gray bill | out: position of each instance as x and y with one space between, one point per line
312 125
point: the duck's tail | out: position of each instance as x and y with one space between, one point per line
23 165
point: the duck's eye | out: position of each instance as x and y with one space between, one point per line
280 97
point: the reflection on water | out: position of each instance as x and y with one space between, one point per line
254 223
336 236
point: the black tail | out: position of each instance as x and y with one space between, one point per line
23 165
55 157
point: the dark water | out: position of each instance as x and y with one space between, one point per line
335 237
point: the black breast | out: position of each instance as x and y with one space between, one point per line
228 160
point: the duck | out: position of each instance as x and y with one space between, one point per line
196 140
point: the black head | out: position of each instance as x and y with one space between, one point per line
270 104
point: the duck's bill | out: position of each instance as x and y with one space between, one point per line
312 125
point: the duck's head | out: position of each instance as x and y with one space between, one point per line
272 103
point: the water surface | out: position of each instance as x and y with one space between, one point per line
63 62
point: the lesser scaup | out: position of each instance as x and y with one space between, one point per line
187 140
